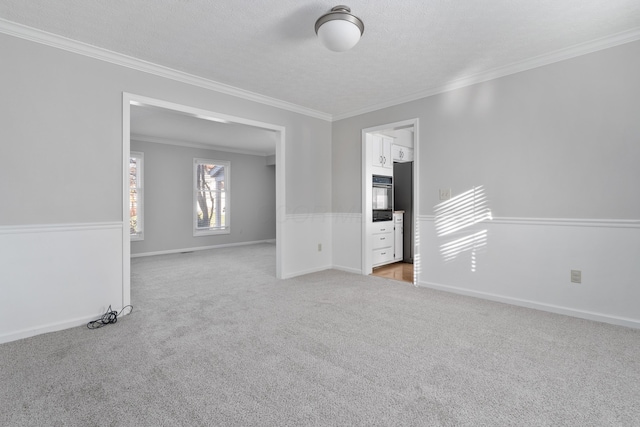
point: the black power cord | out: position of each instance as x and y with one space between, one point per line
111 316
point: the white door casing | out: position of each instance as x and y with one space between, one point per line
367 170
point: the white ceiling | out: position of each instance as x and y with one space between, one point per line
410 48
160 125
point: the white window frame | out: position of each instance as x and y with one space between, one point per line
140 206
227 193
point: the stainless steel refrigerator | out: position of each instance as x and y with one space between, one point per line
403 201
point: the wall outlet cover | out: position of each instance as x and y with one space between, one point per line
576 276
445 193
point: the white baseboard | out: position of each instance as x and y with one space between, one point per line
346 269
201 248
308 271
43 329
599 317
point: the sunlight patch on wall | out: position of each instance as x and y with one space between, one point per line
456 221
472 243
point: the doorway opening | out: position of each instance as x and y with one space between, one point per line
129 100
390 243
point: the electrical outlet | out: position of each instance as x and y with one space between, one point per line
319 247
576 276
445 193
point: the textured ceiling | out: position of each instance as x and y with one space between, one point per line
269 46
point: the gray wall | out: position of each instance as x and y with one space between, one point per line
168 198
559 141
61 180
557 149
62 113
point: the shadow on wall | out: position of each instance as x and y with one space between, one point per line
456 221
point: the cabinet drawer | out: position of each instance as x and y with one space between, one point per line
382 256
384 240
382 227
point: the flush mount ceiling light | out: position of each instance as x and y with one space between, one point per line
339 30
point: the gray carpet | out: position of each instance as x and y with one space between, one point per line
215 339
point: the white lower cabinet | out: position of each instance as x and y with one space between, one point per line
398 224
381 241
387 239
383 236
382 256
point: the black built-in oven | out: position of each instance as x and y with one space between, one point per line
382 198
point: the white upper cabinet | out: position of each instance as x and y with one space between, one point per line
381 153
401 153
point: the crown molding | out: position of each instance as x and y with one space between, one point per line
53 40
32 34
516 67
566 222
201 145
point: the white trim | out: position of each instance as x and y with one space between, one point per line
346 269
516 67
126 240
200 145
569 222
43 228
199 113
201 248
51 327
39 36
303 217
280 131
54 40
139 236
307 271
599 317
227 198
346 216
367 257
281 200
416 203
574 222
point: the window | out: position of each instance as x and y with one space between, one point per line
210 197
135 196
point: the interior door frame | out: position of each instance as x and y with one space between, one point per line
129 99
367 216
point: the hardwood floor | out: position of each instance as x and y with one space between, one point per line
397 271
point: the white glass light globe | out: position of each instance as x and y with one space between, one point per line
339 35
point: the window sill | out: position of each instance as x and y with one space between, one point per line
212 232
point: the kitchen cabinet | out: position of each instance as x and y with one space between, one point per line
400 153
398 234
383 242
381 152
